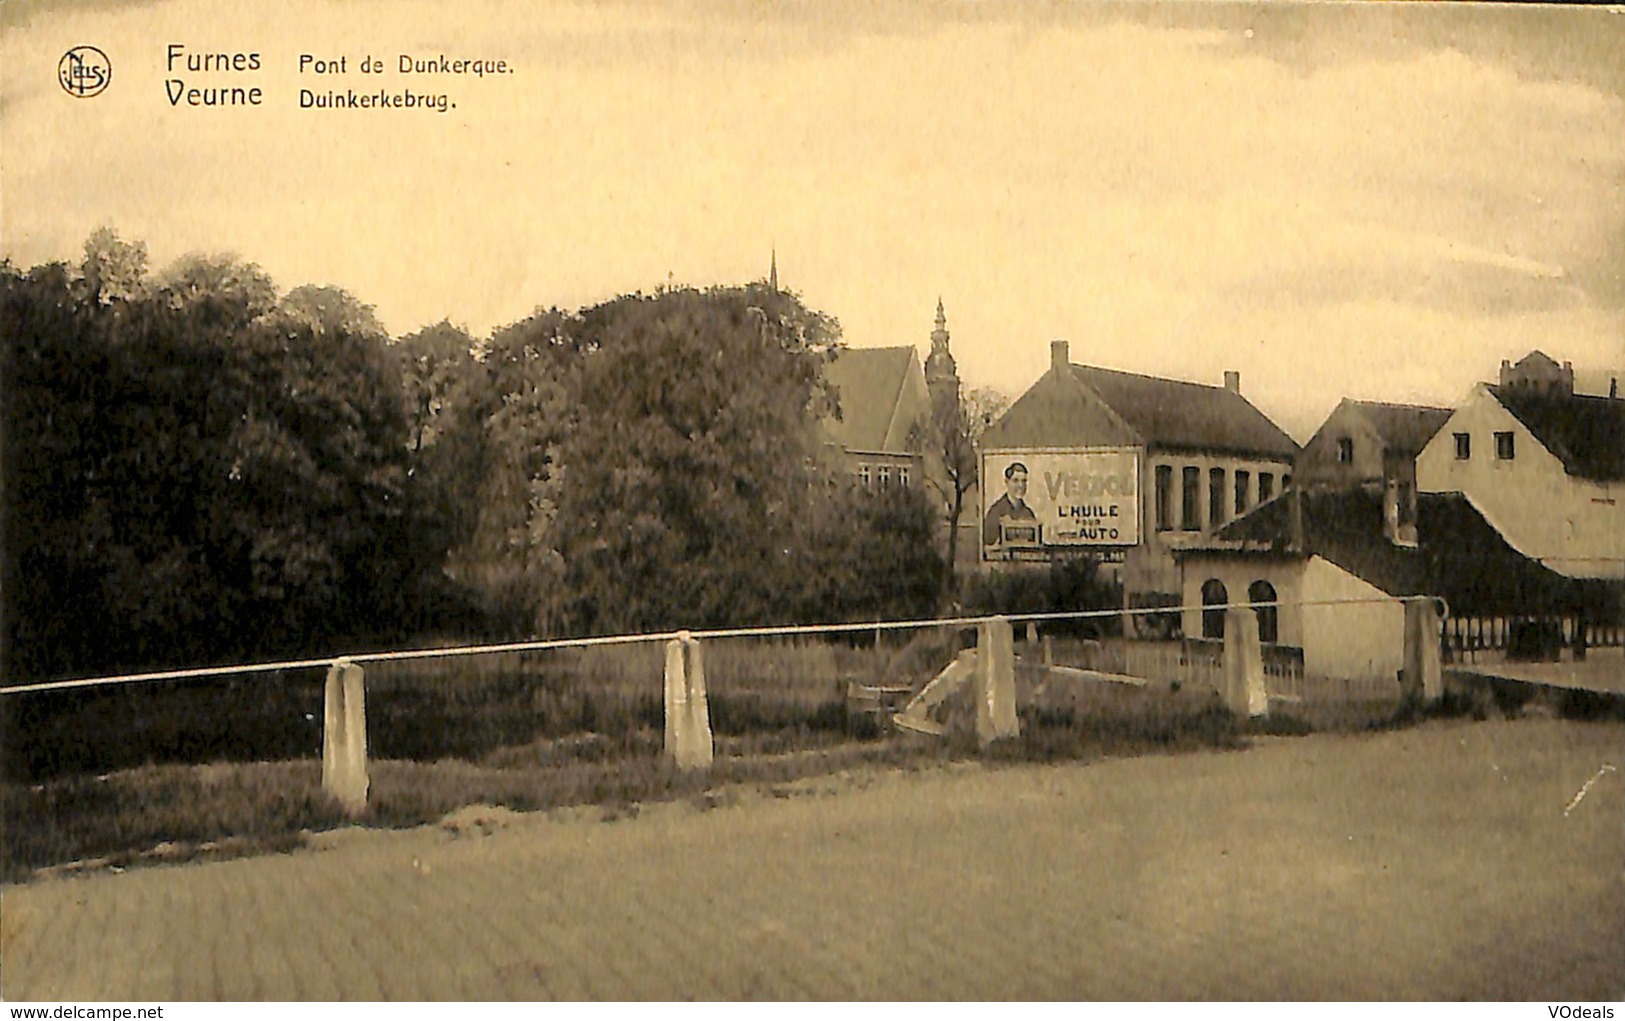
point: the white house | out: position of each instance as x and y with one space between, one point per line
1544 465
1334 562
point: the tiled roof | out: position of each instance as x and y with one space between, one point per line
1405 428
1597 381
1459 555
1586 433
869 383
1173 413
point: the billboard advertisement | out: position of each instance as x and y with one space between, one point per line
1040 501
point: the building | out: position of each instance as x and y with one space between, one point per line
1544 465
1199 456
883 402
1373 445
1318 547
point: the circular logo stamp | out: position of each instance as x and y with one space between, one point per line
84 71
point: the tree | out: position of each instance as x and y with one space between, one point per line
442 389
521 402
953 439
690 466
196 473
868 555
113 269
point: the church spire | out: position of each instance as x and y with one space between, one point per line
941 374
773 271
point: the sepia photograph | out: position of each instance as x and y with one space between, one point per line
777 500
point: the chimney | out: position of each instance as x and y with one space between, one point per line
1398 513
1232 381
1613 388
1060 362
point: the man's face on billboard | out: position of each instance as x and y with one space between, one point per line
1016 483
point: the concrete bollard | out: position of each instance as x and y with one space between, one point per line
344 737
1422 679
996 682
688 711
1244 690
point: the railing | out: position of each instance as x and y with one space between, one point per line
1530 637
407 683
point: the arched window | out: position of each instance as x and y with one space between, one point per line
1269 627
1213 594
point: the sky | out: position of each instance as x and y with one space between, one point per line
1363 200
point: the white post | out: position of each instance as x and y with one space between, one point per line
344 737
676 697
996 676
1422 678
701 748
688 712
1244 690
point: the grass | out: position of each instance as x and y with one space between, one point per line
162 813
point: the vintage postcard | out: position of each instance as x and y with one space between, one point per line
786 500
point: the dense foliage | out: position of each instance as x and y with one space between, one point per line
200 470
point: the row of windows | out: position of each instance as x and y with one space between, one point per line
1215 595
1238 495
883 476
1505 446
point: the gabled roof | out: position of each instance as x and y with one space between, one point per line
1174 413
1586 433
1060 410
1459 555
1403 428
1537 360
870 384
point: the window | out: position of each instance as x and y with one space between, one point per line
1192 509
902 476
863 475
1213 595
1503 447
1269 628
1345 450
1242 479
1215 495
1165 497
1464 446
885 476
1266 486
1286 483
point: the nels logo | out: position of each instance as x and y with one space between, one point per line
84 71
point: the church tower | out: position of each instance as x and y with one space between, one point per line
941 374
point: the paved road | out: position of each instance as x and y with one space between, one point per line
1434 863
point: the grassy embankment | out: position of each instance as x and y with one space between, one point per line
223 769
